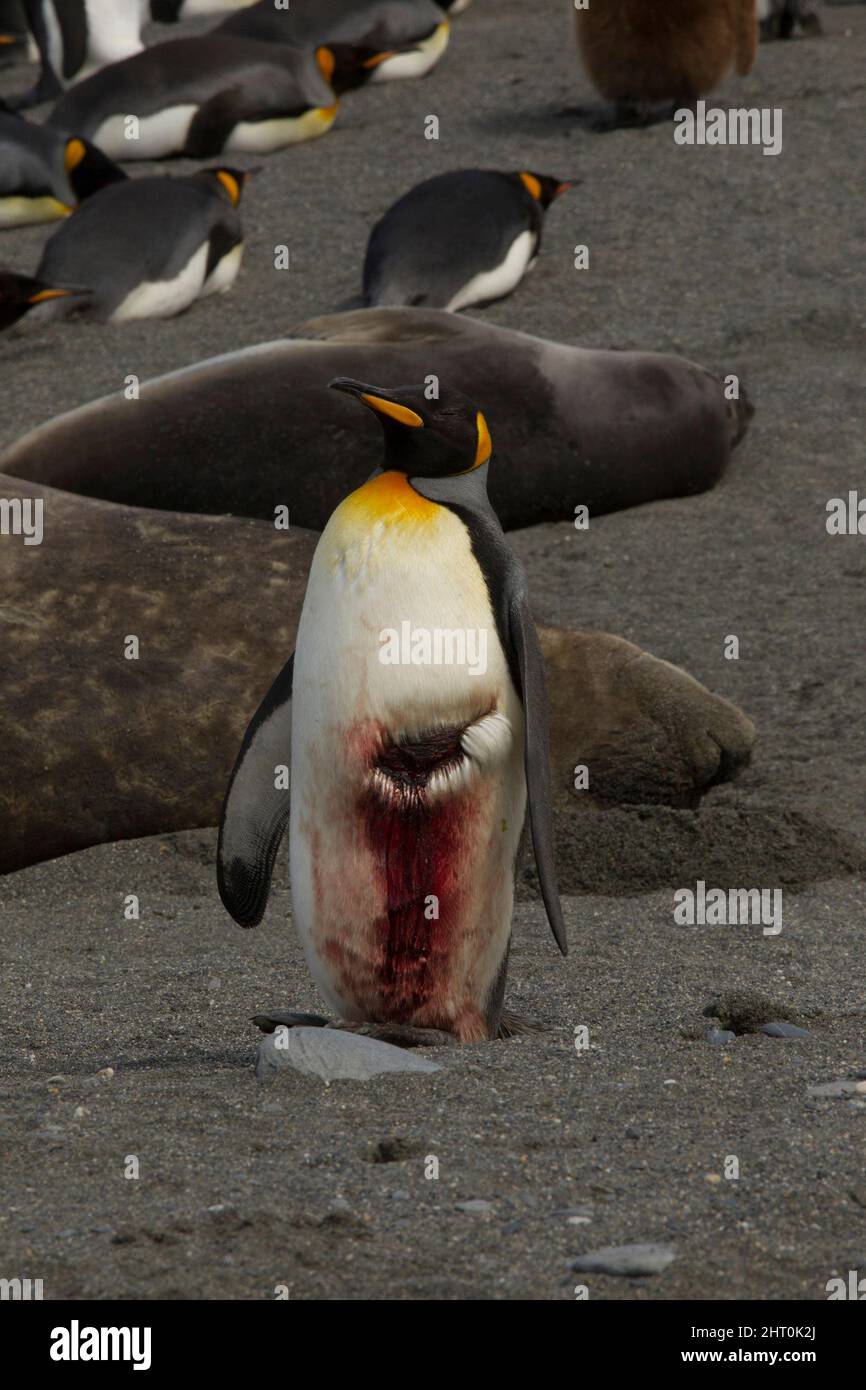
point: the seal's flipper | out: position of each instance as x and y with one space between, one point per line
256 808
530 664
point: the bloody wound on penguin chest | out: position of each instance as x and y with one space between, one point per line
420 844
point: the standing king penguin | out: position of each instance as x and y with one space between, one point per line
410 768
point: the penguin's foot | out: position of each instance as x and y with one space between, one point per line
400 1034
512 1025
624 115
280 1019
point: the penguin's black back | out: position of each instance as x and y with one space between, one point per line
143 229
444 231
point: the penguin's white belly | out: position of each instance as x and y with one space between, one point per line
114 33
224 273
402 881
495 284
125 137
263 137
419 61
192 8
16 211
160 299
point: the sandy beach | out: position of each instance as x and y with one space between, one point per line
750 265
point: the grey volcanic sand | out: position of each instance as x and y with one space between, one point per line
751 265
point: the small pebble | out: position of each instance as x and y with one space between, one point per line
633 1261
107 1072
833 1088
784 1030
720 1035
476 1206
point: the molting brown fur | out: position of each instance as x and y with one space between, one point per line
665 50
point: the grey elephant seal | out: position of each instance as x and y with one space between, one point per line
257 429
101 746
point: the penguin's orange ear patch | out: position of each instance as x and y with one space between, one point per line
75 152
326 62
485 443
230 183
533 185
401 413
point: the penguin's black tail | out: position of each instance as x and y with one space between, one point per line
740 413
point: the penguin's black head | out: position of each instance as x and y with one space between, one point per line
349 66
425 438
88 169
18 293
230 182
543 187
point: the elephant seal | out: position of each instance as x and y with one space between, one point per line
101 746
257 429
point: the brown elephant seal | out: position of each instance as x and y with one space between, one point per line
257 429
101 746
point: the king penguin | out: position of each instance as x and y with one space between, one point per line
415 31
463 238
651 57
43 174
148 248
20 293
413 716
209 95
76 37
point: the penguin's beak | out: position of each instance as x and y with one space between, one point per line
378 58
378 399
42 295
564 187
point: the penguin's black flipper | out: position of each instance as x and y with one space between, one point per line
530 663
256 811
214 122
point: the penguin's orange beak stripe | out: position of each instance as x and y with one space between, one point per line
401 413
7 38
379 58
42 295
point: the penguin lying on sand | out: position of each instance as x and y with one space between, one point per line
149 247
417 29
75 37
458 239
19 293
205 96
409 772
44 174
651 57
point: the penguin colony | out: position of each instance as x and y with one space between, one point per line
411 779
